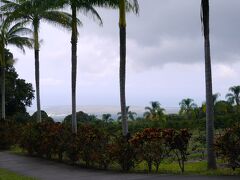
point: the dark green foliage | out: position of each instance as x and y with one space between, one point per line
19 94
30 135
198 143
72 148
8 134
81 118
44 115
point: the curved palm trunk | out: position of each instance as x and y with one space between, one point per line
209 95
122 73
74 67
37 73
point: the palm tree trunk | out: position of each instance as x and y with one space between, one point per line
37 73
74 67
209 95
2 70
3 113
237 101
122 72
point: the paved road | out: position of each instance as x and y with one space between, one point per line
48 170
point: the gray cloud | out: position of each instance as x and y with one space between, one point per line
164 51
178 23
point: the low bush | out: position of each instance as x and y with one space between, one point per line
123 152
228 146
151 146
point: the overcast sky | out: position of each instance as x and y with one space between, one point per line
165 58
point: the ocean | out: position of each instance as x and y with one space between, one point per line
58 113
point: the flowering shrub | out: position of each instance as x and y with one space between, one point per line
228 146
93 146
51 140
151 146
123 152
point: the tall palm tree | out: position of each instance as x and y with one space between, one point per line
234 96
34 11
88 7
130 114
154 112
187 106
122 68
11 35
208 79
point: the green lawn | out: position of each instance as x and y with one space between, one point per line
7 175
191 168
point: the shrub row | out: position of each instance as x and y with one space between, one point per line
97 148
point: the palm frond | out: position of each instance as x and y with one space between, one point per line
59 18
19 29
21 42
131 5
89 11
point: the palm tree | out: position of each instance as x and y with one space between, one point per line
187 107
122 68
11 35
87 8
107 118
130 114
155 112
234 96
34 11
208 79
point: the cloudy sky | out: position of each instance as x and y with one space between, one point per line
165 59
